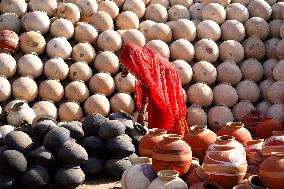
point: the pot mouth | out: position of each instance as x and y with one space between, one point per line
211 185
235 124
256 182
278 133
198 128
168 175
255 141
278 155
141 160
157 131
225 138
266 118
195 159
172 136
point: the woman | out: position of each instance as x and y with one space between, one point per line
159 91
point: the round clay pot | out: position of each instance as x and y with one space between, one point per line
41 157
225 161
94 146
199 139
120 146
140 166
93 166
196 176
254 156
7 181
59 47
148 142
116 167
10 21
80 71
71 153
5 89
271 171
36 21
36 177
205 185
111 129
20 141
172 153
9 42
32 41
273 144
69 177
42 127
70 111
25 88
44 107
237 130
51 89
56 68
266 126
5 129
167 179
76 131
253 182
55 138
8 65
92 123
13 162
30 65
251 120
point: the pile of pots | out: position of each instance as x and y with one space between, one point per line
50 154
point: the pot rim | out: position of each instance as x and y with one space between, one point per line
172 136
197 128
278 133
168 174
255 141
141 160
256 185
233 124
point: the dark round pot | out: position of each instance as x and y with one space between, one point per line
116 167
93 166
13 162
111 129
71 153
91 124
7 182
41 128
55 138
35 177
69 177
20 141
94 146
76 131
120 146
41 157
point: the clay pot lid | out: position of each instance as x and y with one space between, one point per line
141 160
168 175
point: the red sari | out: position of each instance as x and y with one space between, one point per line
159 86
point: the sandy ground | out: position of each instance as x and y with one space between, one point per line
104 182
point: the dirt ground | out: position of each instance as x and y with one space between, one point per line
103 182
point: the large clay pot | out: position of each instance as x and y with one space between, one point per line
168 179
94 166
144 174
116 167
196 176
225 161
148 142
7 181
271 171
199 139
251 120
42 127
253 182
9 42
55 138
237 130
266 126
13 162
111 129
76 131
91 124
69 177
274 143
254 156
172 153
20 141
20 114
94 146
36 177
206 185
120 146
41 157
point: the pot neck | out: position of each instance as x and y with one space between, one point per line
168 175
255 182
172 137
255 142
141 160
197 129
234 125
157 131
223 142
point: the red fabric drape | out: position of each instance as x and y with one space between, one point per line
159 85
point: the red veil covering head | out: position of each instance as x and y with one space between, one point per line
159 85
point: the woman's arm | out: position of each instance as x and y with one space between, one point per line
141 114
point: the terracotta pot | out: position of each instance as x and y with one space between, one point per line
196 176
237 130
194 164
271 171
206 185
168 179
274 143
9 42
148 142
199 138
266 126
144 174
251 120
254 156
225 161
253 182
172 153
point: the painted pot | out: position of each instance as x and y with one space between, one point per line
168 179
9 42
148 142
266 126
251 120
206 185
172 153
199 139
196 176
143 171
253 182
237 130
225 161
271 171
274 143
254 156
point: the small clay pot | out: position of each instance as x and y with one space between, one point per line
94 146
116 167
71 153
92 123
69 177
41 157
34 178
55 138
120 147
20 141
9 42
251 120
76 131
111 129
41 128
13 162
93 166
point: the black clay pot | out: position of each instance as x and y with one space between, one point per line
135 132
41 157
34 178
120 147
42 127
69 177
3 148
111 129
13 162
93 166
20 141
71 153
121 116
7 182
55 138
116 167
92 123
76 131
94 146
